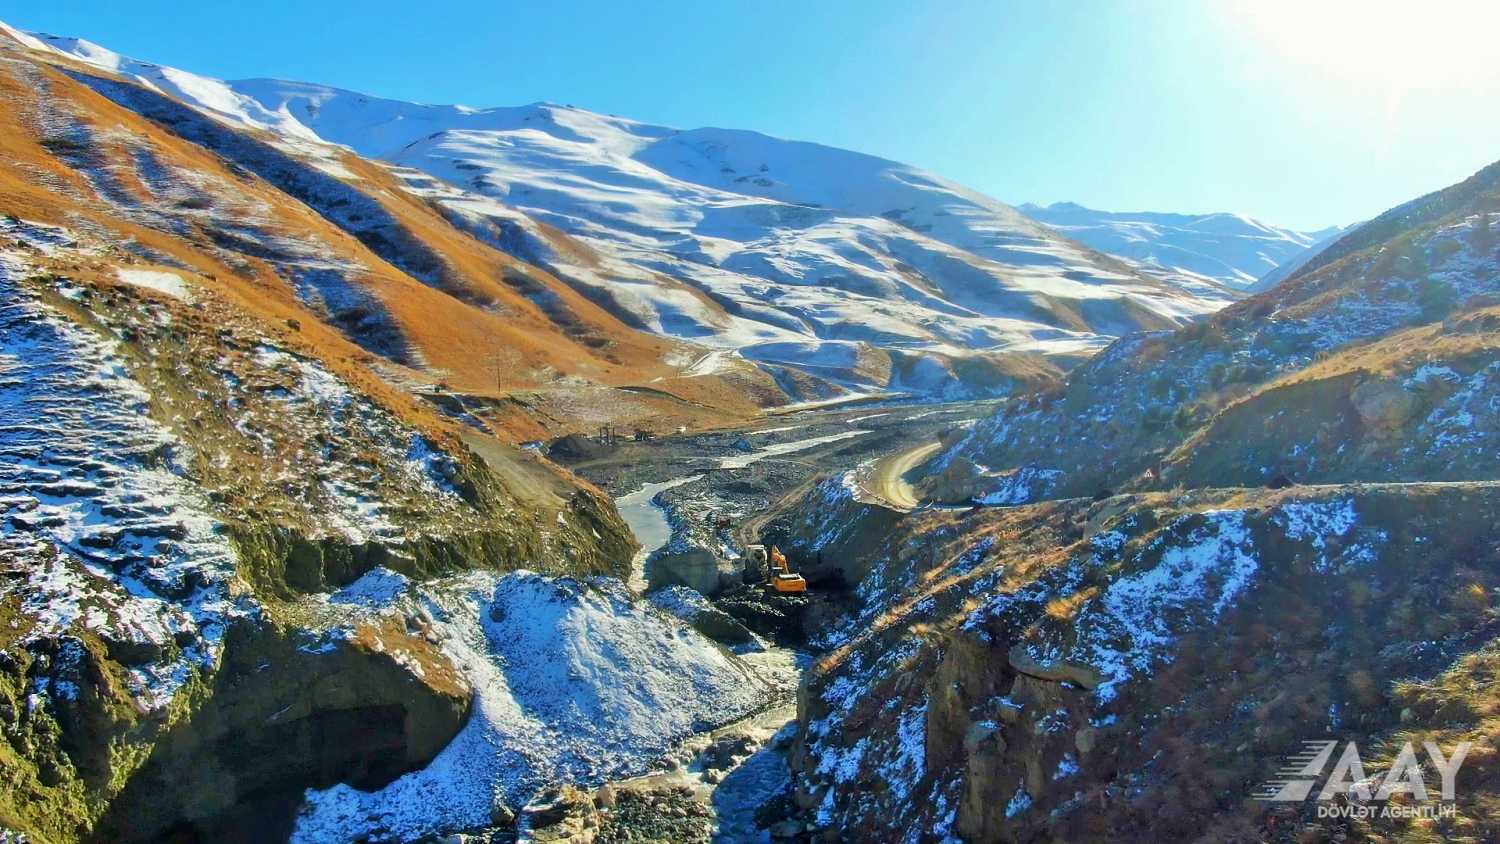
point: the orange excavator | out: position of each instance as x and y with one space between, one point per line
779 574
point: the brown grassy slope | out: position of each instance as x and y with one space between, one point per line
474 324
71 157
1124 412
1337 630
1418 404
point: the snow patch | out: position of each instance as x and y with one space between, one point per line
162 282
573 681
1132 625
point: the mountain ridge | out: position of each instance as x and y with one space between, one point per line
1095 636
1233 250
731 239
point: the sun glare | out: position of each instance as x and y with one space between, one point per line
1403 45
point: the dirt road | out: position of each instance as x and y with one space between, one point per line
887 480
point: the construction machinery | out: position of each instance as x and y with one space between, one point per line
779 574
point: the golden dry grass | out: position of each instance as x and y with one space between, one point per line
458 336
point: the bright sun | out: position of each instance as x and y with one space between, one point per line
1401 45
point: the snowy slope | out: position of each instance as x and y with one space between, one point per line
728 238
1227 249
1326 238
573 682
101 529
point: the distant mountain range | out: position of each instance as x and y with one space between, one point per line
1148 547
1232 250
830 269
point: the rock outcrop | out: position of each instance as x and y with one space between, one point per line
1007 679
696 568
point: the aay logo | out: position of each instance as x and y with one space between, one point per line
1296 779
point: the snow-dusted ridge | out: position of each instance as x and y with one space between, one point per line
1198 251
728 238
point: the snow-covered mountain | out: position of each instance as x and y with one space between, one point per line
1187 249
1009 674
1284 271
790 253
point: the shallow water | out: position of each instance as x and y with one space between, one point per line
740 461
648 522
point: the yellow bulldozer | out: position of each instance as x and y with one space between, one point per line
779 574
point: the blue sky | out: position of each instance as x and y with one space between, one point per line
1300 113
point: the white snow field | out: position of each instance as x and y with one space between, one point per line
162 282
573 682
728 238
1199 252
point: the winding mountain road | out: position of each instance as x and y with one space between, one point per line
887 479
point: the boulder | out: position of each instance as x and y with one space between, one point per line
784 830
1057 671
695 568
1383 405
502 816
956 483
722 627
563 816
1084 740
727 751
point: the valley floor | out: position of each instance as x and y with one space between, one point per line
733 783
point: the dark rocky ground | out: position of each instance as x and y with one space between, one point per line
626 466
722 511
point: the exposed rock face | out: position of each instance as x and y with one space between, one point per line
783 618
835 539
1026 681
1056 671
695 568
280 719
1015 742
1383 406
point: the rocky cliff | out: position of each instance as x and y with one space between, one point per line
253 542
1207 548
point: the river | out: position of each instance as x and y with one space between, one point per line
764 773
648 521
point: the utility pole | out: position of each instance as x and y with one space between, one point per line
499 363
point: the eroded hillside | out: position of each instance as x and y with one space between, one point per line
1140 666
1161 579
1288 383
826 269
263 520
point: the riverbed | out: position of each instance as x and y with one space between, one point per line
716 474
648 519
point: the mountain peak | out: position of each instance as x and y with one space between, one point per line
1231 249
